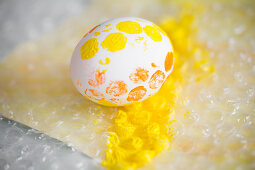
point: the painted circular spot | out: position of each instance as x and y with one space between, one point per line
136 94
157 79
97 78
129 27
139 76
169 61
153 33
89 49
114 42
116 88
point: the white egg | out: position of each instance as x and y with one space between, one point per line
121 61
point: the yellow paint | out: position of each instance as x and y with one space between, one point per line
139 131
107 61
107 30
153 33
96 121
108 25
129 27
139 38
159 29
89 49
104 71
187 113
114 42
97 33
125 150
106 103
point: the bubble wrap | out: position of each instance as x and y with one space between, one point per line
215 116
24 148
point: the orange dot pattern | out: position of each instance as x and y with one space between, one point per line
136 94
139 76
116 88
94 94
157 79
169 61
97 78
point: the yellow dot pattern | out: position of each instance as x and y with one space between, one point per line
114 42
153 33
129 27
89 49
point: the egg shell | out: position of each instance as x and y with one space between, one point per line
121 61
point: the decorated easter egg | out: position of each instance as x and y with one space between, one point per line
121 61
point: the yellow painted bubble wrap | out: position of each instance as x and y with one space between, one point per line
213 104
143 130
